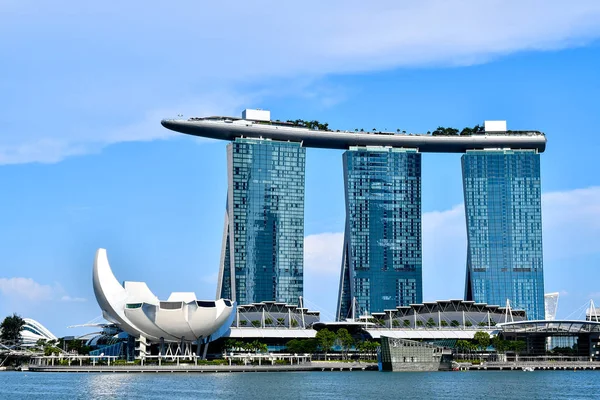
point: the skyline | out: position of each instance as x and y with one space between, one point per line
92 167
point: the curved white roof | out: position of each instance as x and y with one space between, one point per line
34 331
140 313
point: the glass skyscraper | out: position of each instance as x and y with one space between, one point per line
504 229
263 241
381 262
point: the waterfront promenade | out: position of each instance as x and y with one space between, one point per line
188 368
536 365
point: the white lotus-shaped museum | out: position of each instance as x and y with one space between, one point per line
136 310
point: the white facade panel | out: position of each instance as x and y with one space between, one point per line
256 115
495 126
137 311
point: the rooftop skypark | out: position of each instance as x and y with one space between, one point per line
258 124
324 127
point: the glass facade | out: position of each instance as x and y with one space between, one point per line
502 192
381 263
263 242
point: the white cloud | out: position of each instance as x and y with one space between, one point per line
72 299
571 223
322 263
19 289
41 147
88 86
25 288
323 253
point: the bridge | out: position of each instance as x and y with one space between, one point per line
16 350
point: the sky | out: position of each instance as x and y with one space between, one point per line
85 163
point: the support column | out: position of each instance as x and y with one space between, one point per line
198 344
205 351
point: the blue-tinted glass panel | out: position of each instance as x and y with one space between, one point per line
502 192
265 211
382 244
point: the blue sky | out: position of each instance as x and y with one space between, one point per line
84 162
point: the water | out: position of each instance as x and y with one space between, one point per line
304 385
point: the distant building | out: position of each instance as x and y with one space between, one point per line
551 305
33 331
381 262
262 256
181 319
504 229
413 356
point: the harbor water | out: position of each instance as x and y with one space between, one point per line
303 385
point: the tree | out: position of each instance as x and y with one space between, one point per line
395 323
280 321
482 339
517 346
326 338
268 321
419 323
430 323
310 346
258 346
11 328
468 323
294 346
499 344
367 346
256 323
406 322
444 323
346 340
454 323
463 345
302 346
229 344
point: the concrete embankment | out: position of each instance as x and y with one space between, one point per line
313 366
536 366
